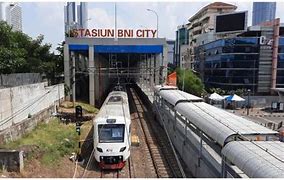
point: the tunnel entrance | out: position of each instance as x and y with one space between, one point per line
124 69
102 63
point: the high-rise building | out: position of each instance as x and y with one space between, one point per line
14 16
244 61
1 12
73 19
181 45
263 11
171 48
70 16
82 15
202 26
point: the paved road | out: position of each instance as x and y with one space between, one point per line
260 117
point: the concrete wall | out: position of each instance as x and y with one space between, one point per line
16 131
11 160
17 103
18 79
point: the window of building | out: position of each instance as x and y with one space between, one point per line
281 41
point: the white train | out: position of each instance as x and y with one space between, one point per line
112 137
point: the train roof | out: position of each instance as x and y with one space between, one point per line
114 107
257 159
113 111
176 96
218 123
121 93
162 87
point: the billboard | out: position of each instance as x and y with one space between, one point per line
231 22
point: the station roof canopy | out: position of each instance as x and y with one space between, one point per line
257 159
219 124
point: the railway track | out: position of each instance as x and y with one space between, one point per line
109 173
92 170
153 158
161 154
125 172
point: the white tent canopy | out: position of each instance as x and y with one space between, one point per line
216 97
234 98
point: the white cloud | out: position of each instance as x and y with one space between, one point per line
245 6
49 19
100 18
280 10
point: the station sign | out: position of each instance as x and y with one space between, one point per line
265 43
110 33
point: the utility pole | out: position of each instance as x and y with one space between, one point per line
248 105
115 22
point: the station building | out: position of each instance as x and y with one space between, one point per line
92 66
251 60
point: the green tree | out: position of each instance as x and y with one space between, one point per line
11 60
218 91
19 53
192 83
241 92
5 38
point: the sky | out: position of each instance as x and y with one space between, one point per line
47 18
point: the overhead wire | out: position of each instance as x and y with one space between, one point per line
127 132
94 148
75 171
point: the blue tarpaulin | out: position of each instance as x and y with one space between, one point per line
234 98
128 49
119 48
78 47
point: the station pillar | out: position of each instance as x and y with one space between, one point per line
67 69
91 76
165 63
152 65
73 57
156 69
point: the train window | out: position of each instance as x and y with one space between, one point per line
111 133
115 99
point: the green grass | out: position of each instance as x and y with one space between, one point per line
87 107
54 140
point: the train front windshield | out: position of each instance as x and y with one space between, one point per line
111 133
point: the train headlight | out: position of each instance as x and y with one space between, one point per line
99 149
122 149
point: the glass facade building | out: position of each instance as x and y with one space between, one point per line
263 11
229 63
181 39
233 63
280 64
